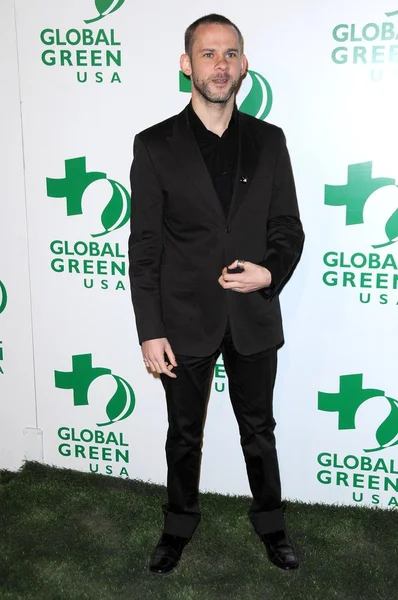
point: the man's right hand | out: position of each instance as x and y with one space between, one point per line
153 352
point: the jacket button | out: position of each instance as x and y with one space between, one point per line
227 229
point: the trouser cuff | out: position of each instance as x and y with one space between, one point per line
268 521
181 525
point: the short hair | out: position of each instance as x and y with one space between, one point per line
208 20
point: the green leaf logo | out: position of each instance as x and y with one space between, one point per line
349 398
388 430
79 380
392 227
3 297
122 403
391 230
117 211
105 8
258 102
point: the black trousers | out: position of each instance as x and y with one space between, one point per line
251 382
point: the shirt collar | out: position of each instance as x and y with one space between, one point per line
198 127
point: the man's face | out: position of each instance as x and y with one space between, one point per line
216 65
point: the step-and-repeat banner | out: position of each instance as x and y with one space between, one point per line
82 78
18 424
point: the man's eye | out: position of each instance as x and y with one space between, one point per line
231 54
208 54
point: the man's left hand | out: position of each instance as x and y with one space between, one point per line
252 278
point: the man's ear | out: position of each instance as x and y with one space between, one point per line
185 65
244 65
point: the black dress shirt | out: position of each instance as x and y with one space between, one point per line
220 154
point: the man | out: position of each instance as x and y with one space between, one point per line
215 232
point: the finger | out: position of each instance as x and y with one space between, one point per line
234 276
170 355
221 281
166 370
161 367
157 366
146 361
247 264
151 366
233 265
246 289
169 373
228 285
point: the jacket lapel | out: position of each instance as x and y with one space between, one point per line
249 152
183 145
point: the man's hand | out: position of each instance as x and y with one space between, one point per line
153 352
253 278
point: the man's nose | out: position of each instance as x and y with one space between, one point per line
222 64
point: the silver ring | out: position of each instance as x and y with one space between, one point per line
241 264
145 360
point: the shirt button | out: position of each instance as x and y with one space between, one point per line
224 173
227 229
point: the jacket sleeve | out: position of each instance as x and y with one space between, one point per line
285 236
145 244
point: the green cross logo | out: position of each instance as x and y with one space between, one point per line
76 181
258 102
119 407
356 192
3 297
105 8
349 398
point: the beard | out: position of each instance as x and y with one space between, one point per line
221 97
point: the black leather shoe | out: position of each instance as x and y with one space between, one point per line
167 553
280 550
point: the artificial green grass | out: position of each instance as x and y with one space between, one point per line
66 535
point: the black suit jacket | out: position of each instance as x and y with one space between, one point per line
181 240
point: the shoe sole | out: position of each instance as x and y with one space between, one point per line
160 573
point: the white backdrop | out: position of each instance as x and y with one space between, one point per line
17 397
329 79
